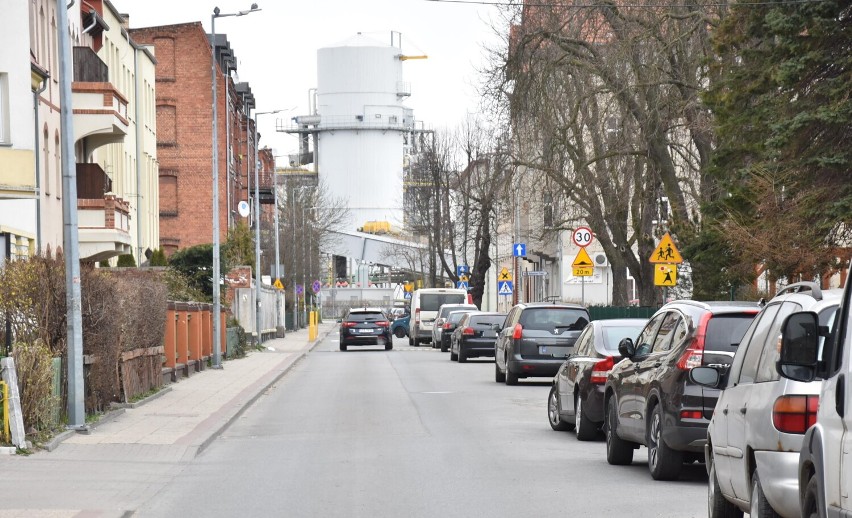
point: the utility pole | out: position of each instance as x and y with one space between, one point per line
70 236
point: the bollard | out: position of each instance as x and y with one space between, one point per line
182 338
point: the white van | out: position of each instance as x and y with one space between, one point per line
424 308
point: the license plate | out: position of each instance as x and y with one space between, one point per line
553 351
364 331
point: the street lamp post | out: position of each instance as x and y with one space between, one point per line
259 339
217 319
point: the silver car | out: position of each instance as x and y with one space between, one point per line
441 317
756 432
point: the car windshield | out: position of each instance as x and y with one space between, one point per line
724 332
365 317
612 335
548 318
433 301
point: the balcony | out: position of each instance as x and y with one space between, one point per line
103 218
100 111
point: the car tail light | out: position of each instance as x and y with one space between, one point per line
468 331
383 323
691 414
600 371
349 324
447 325
694 354
795 414
519 332
417 315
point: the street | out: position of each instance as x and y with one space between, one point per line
409 433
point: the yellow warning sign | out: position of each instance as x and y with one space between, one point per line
584 271
504 275
278 284
666 252
583 260
665 275
408 286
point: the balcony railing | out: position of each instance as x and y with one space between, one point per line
88 67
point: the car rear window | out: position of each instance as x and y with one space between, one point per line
446 310
547 319
455 317
725 332
487 320
365 317
433 301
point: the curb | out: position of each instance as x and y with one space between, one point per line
251 400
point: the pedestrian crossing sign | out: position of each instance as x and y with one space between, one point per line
666 252
505 288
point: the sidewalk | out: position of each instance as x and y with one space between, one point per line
191 413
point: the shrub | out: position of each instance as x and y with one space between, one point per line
126 261
158 258
34 364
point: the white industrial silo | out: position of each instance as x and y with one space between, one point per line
362 126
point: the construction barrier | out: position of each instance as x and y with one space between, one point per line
5 433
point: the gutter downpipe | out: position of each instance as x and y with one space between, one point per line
36 95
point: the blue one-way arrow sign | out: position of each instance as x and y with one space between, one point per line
519 249
462 269
504 287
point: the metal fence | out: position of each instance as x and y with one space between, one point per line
243 309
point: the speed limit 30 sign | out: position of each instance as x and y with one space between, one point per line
582 236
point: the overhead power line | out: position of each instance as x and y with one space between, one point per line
582 6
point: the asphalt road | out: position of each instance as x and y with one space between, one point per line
407 433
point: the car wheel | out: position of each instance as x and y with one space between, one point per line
399 332
453 356
443 347
618 451
759 507
810 504
663 462
586 430
499 376
717 505
388 346
342 347
511 378
412 342
462 356
553 416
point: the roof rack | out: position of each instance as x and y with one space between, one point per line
798 287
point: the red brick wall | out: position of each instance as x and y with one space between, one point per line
185 133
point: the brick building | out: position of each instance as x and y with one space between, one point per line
185 133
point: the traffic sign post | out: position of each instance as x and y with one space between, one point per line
505 288
504 275
462 269
316 287
278 284
519 249
666 252
665 275
462 285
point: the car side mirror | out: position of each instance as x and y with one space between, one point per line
799 355
626 348
497 327
705 376
339 320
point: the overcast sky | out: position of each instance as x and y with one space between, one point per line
276 48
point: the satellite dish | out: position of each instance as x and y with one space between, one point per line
243 208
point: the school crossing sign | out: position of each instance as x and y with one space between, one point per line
666 252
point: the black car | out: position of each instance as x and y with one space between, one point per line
449 326
365 326
475 336
535 339
649 398
577 396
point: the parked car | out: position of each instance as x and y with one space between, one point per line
424 308
756 432
648 396
535 339
399 326
475 336
811 351
576 399
441 319
449 326
365 326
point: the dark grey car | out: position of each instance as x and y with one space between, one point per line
535 340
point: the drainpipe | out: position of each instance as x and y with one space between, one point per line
139 158
37 153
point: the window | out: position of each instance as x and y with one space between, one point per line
583 347
57 159
755 346
766 371
46 161
5 137
433 301
643 343
680 334
663 341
